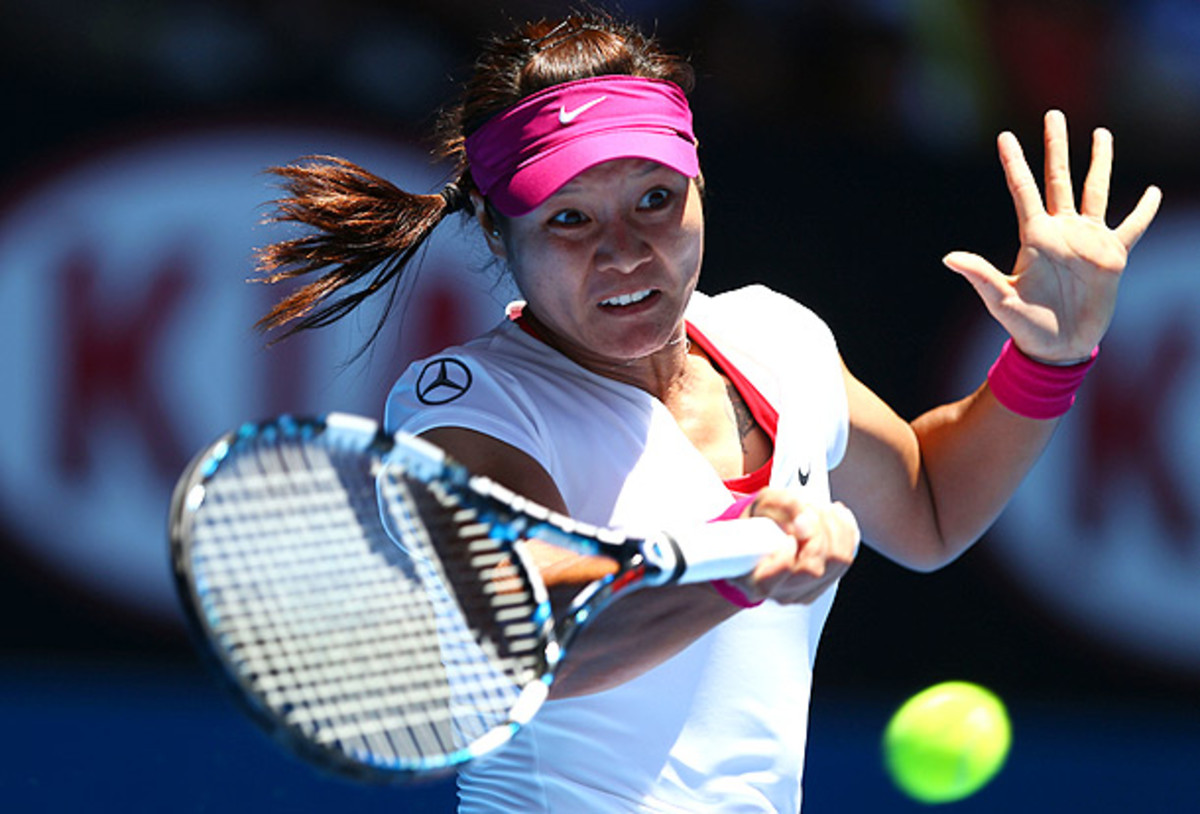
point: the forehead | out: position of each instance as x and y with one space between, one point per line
616 170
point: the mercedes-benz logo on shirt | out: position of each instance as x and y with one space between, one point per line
442 381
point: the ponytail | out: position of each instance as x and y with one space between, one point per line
361 226
363 230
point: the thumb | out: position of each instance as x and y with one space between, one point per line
986 279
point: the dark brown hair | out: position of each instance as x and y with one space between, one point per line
364 230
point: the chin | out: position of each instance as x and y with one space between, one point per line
640 350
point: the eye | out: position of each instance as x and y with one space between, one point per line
568 217
656 198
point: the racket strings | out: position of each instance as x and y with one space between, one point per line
293 577
358 642
502 645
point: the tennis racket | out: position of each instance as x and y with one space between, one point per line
374 604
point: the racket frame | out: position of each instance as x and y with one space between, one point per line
511 519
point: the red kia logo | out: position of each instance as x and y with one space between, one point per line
126 315
1106 530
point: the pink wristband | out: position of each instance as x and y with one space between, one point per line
1034 389
736 508
724 587
733 594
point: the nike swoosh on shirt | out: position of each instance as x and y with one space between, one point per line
567 116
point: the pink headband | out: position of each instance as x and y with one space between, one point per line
520 157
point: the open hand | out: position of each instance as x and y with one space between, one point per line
1059 299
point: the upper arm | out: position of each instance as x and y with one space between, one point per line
484 455
514 469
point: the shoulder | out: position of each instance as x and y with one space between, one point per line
788 352
753 303
505 384
477 384
758 317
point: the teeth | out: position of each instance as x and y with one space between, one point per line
627 299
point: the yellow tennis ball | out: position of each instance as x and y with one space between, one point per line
947 742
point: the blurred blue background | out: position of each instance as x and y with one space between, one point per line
847 146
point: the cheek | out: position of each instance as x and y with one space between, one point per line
540 275
693 228
690 250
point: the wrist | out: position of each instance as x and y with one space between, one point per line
733 594
737 508
1081 360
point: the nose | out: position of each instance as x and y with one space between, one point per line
622 247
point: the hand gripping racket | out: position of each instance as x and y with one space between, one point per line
374 604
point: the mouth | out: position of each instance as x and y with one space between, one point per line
625 300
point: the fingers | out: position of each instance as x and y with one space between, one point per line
1021 183
805 520
1138 221
1095 186
778 504
822 557
827 541
1060 198
1096 190
1023 186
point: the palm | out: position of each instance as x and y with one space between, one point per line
1059 299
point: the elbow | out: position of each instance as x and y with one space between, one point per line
939 539
927 556
929 563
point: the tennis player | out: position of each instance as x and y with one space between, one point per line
618 393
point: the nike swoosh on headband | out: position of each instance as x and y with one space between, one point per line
567 116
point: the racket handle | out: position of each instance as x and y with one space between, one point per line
728 549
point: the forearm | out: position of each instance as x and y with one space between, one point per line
974 455
646 628
635 634
925 490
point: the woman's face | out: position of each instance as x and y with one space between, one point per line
607 264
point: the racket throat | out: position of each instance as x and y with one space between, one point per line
661 560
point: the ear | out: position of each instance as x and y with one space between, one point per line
491 230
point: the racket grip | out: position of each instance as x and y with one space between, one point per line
728 549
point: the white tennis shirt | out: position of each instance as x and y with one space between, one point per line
721 726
